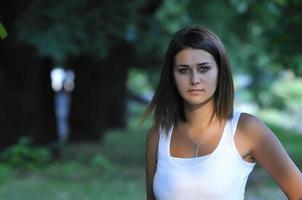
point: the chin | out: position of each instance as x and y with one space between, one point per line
198 102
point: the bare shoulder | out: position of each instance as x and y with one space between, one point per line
252 134
249 122
257 135
252 127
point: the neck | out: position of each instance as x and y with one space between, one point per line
200 115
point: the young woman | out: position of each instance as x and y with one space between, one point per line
199 148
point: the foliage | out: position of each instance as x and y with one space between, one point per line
101 161
260 37
25 156
5 172
80 173
3 33
139 82
68 28
289 91
73 178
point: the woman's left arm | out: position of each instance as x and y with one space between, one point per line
267 150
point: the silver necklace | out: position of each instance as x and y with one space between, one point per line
196 149
196 146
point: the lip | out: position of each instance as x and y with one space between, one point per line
195 91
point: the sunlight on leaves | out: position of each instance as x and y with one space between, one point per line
3 33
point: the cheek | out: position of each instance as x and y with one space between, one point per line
213 81
178 80
179 84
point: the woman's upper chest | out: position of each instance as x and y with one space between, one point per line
185 141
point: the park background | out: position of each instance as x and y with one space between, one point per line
78 137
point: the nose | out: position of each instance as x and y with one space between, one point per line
194 78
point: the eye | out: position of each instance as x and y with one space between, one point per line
183 70
203 69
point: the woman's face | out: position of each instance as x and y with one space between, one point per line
195 74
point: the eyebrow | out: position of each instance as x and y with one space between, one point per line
199 64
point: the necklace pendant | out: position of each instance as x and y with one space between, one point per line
197 150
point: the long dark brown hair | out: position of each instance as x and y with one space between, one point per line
166 103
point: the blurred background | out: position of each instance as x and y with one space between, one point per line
76 76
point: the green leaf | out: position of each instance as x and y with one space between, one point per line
3 33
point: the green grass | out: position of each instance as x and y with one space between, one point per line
125 147
109 170
82 184
112 170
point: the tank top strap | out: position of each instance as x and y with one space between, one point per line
246 167
163 142
234 123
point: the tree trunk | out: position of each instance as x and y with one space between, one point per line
99 98
26 103
26 107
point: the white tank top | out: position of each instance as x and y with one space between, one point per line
221 175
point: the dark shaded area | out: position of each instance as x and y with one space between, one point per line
26 103
101 67
99 97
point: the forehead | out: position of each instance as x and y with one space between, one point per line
193 56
